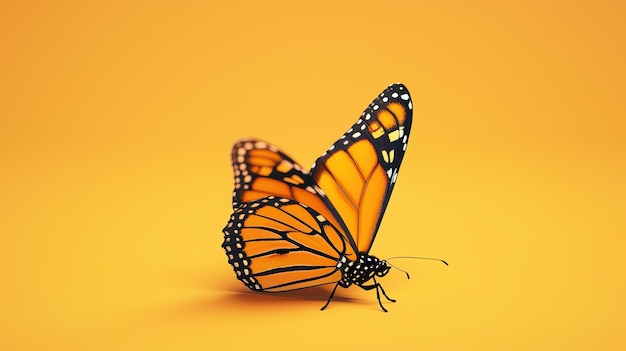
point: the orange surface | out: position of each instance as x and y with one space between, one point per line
117 120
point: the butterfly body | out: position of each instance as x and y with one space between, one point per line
362 270
292 228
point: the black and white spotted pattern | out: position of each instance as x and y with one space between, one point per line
361 270
391 143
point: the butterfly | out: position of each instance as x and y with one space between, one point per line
293 229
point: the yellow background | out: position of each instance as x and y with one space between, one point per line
117 120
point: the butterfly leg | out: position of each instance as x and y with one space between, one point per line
383 291
330 297
377 286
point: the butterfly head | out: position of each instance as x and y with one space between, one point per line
382 268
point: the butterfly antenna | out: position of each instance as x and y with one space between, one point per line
401 270
418 258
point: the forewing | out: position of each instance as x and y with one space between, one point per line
359 171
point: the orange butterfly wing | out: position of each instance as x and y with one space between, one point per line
262 170
359 171
278 244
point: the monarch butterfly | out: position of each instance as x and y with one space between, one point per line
293 229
